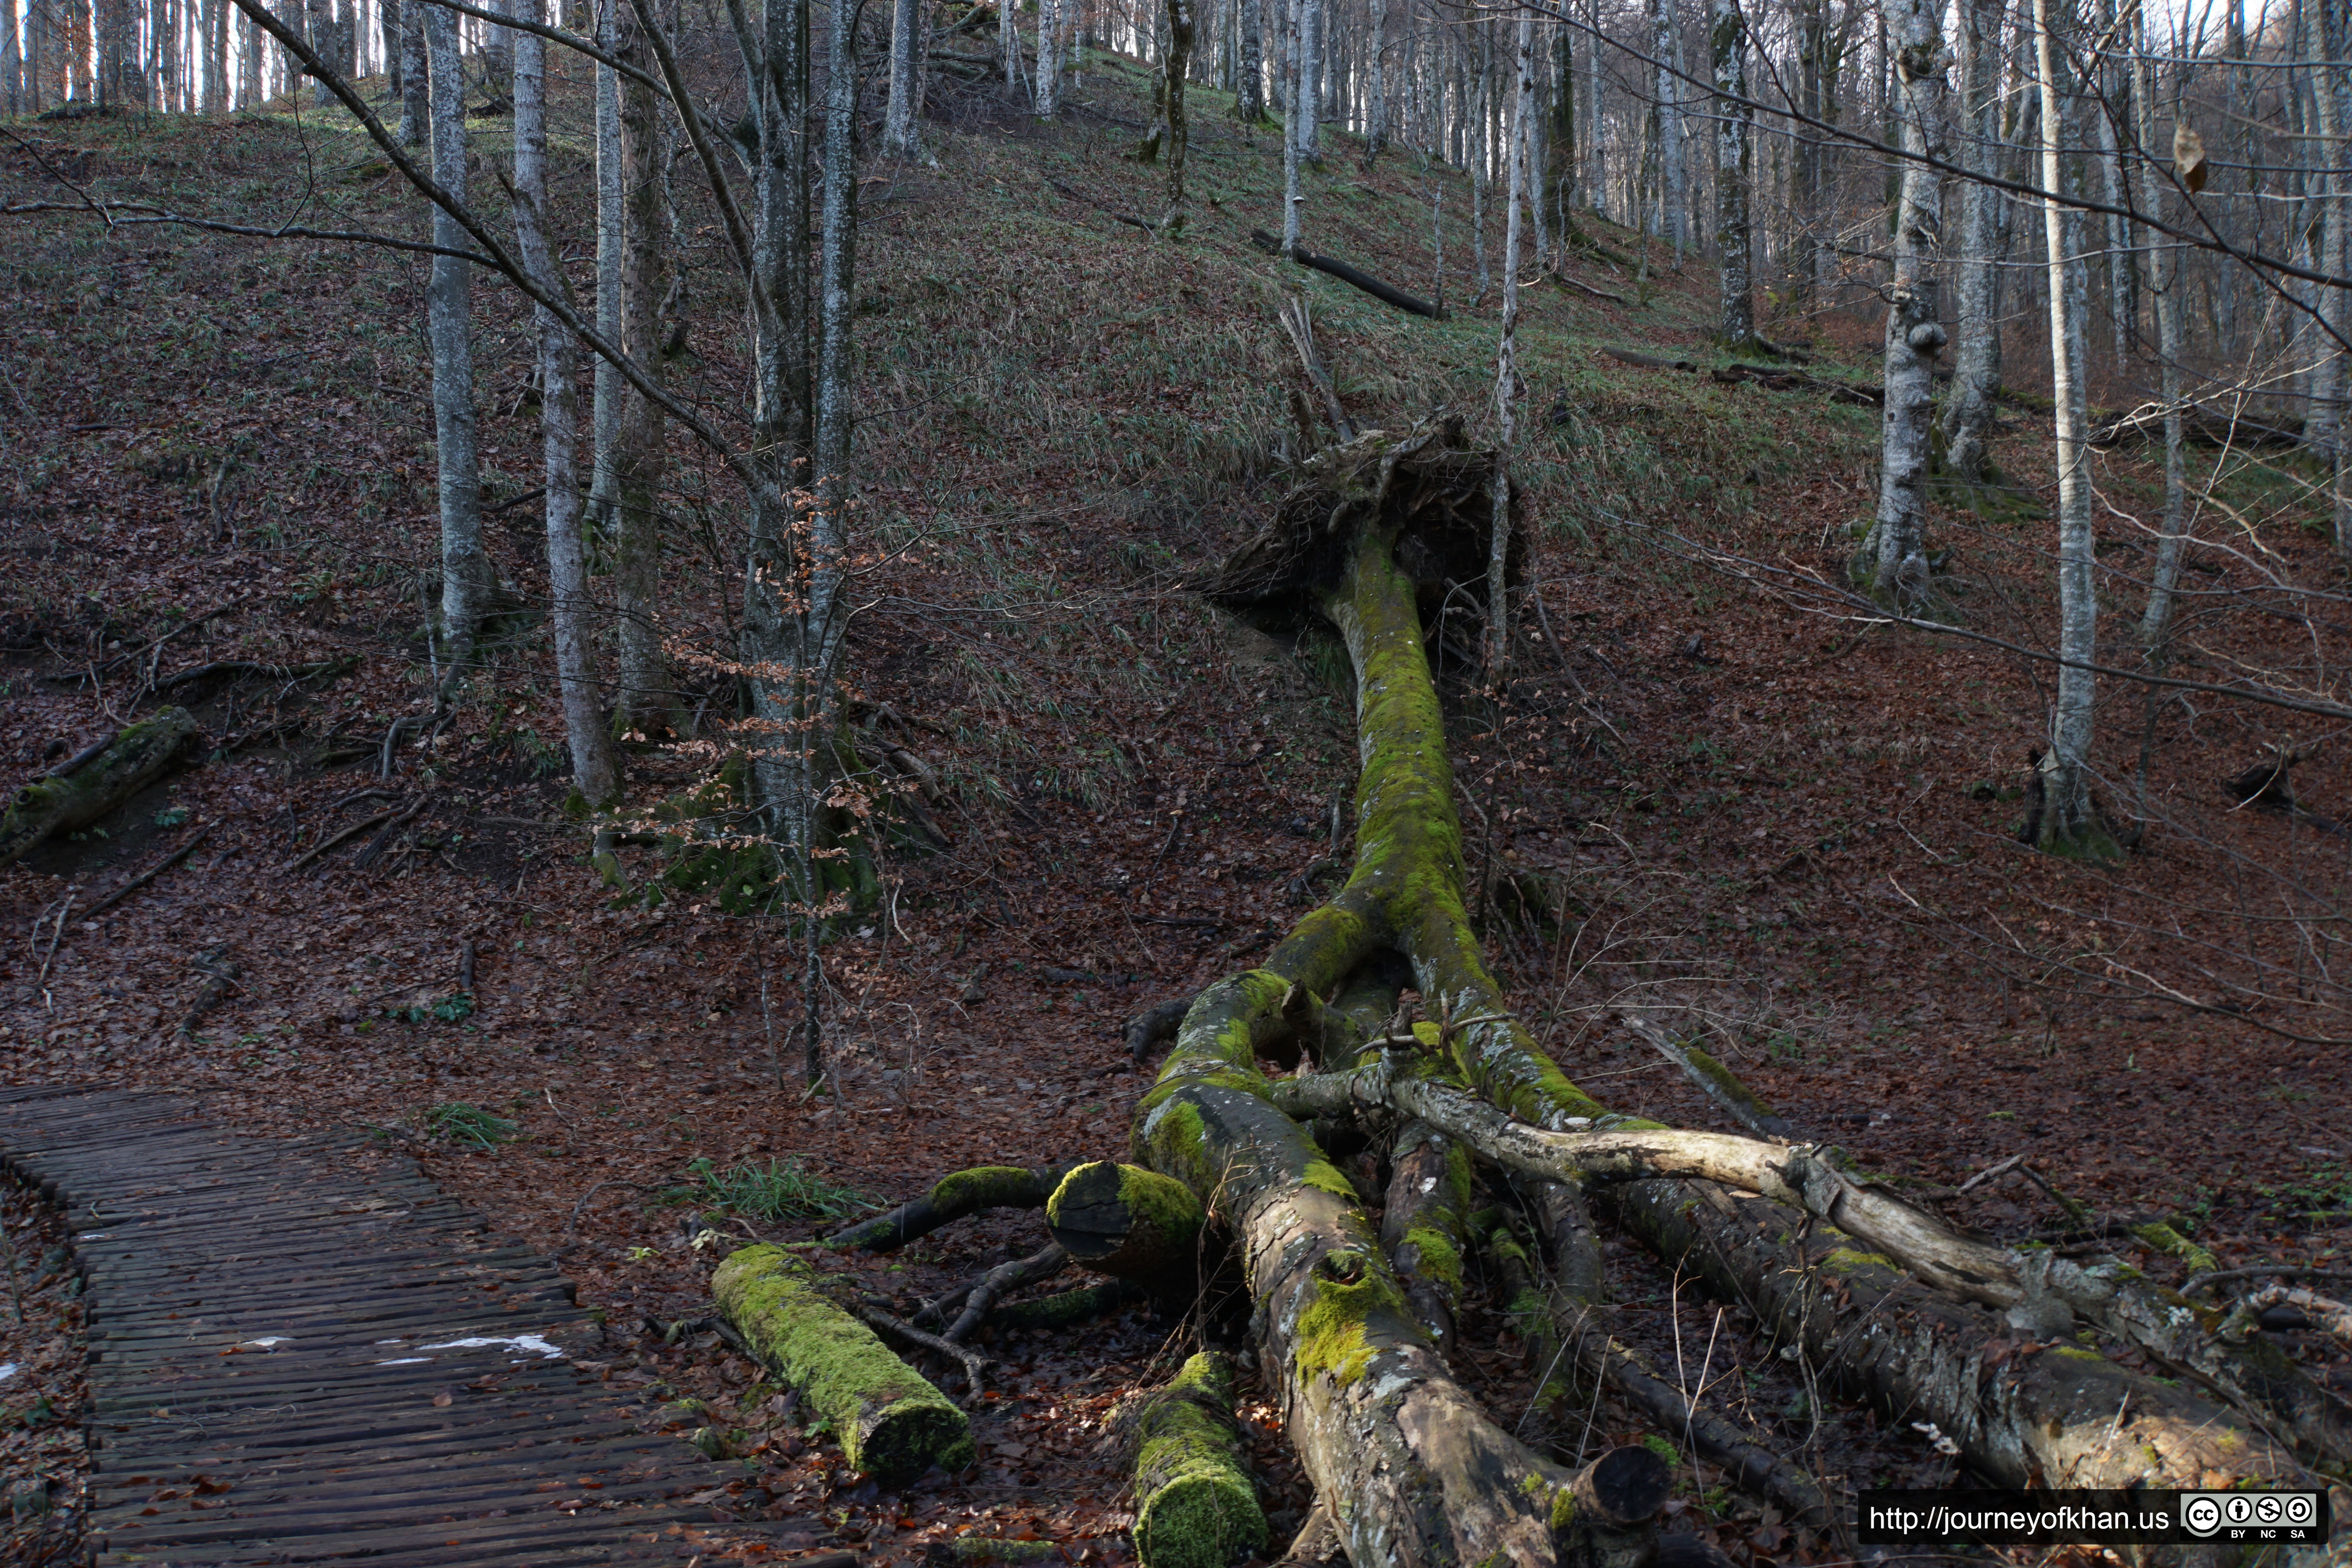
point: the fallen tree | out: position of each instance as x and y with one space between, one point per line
1351 1317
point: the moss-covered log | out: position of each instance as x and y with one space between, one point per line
1195 1504
888 1418
1131 1223
95 783
955 1197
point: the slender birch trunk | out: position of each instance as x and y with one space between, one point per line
1008 43
642 703
2164 284
1294 199
1049 60
900 136
1309 94
1665 48
1894 561
2064 820
1728 38
415 76
1249 99
466 575
593 772
1507 363
1975 359
1376 110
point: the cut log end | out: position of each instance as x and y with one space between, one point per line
1129 1223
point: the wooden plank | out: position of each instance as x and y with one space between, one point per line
193 1240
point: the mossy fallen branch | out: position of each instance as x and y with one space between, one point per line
888 1418
951 1198
95 783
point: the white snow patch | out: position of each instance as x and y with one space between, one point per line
267 1341
9 1370
520 1342
404 1361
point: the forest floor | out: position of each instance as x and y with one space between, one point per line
1789 833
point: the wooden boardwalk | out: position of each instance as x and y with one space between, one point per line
292 1361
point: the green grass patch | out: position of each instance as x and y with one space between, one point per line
774 1193
470 1125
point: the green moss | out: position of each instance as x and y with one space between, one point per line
2164 1238
890 1420
1846 1259
1197 1506
1661 1448
1563 1510
986 1187
1439 1258
1324 1177
1331 1324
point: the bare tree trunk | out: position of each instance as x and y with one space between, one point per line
1507 363
12 63
611 386
2062 818
466 575
1249 100
1178 61
1049 60
2324 422
1976 359
1894 560
1665 48
900 138
1308 106
642 703
1728 37
2164 283
415 76
1376 111
593 772
1294 199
